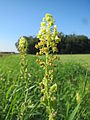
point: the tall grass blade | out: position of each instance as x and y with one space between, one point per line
72 115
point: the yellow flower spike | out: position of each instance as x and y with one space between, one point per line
25 77
48 36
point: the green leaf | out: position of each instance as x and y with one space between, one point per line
9 91
72 115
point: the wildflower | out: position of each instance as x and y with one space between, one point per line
48 36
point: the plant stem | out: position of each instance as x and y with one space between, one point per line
47 85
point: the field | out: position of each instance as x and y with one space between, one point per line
72 76
11 61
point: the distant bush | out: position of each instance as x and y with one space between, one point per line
74 44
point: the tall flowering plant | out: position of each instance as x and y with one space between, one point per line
48 36
23 73
23 53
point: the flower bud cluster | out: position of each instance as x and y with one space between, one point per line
23 45
48 34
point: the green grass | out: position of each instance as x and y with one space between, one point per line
72 76
83 59
12 61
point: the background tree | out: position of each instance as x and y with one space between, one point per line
74 44
70 44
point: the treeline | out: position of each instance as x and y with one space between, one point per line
70 44
1 53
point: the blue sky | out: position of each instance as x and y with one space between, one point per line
23 17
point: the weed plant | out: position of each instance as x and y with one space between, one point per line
48 36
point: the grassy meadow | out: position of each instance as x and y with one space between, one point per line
72 76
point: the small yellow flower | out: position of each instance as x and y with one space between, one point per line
51 72
43 18
55 49
53 88
37 54
36 46
43 24
44 29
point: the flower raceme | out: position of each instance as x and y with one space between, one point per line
23 53
24 75
48 36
